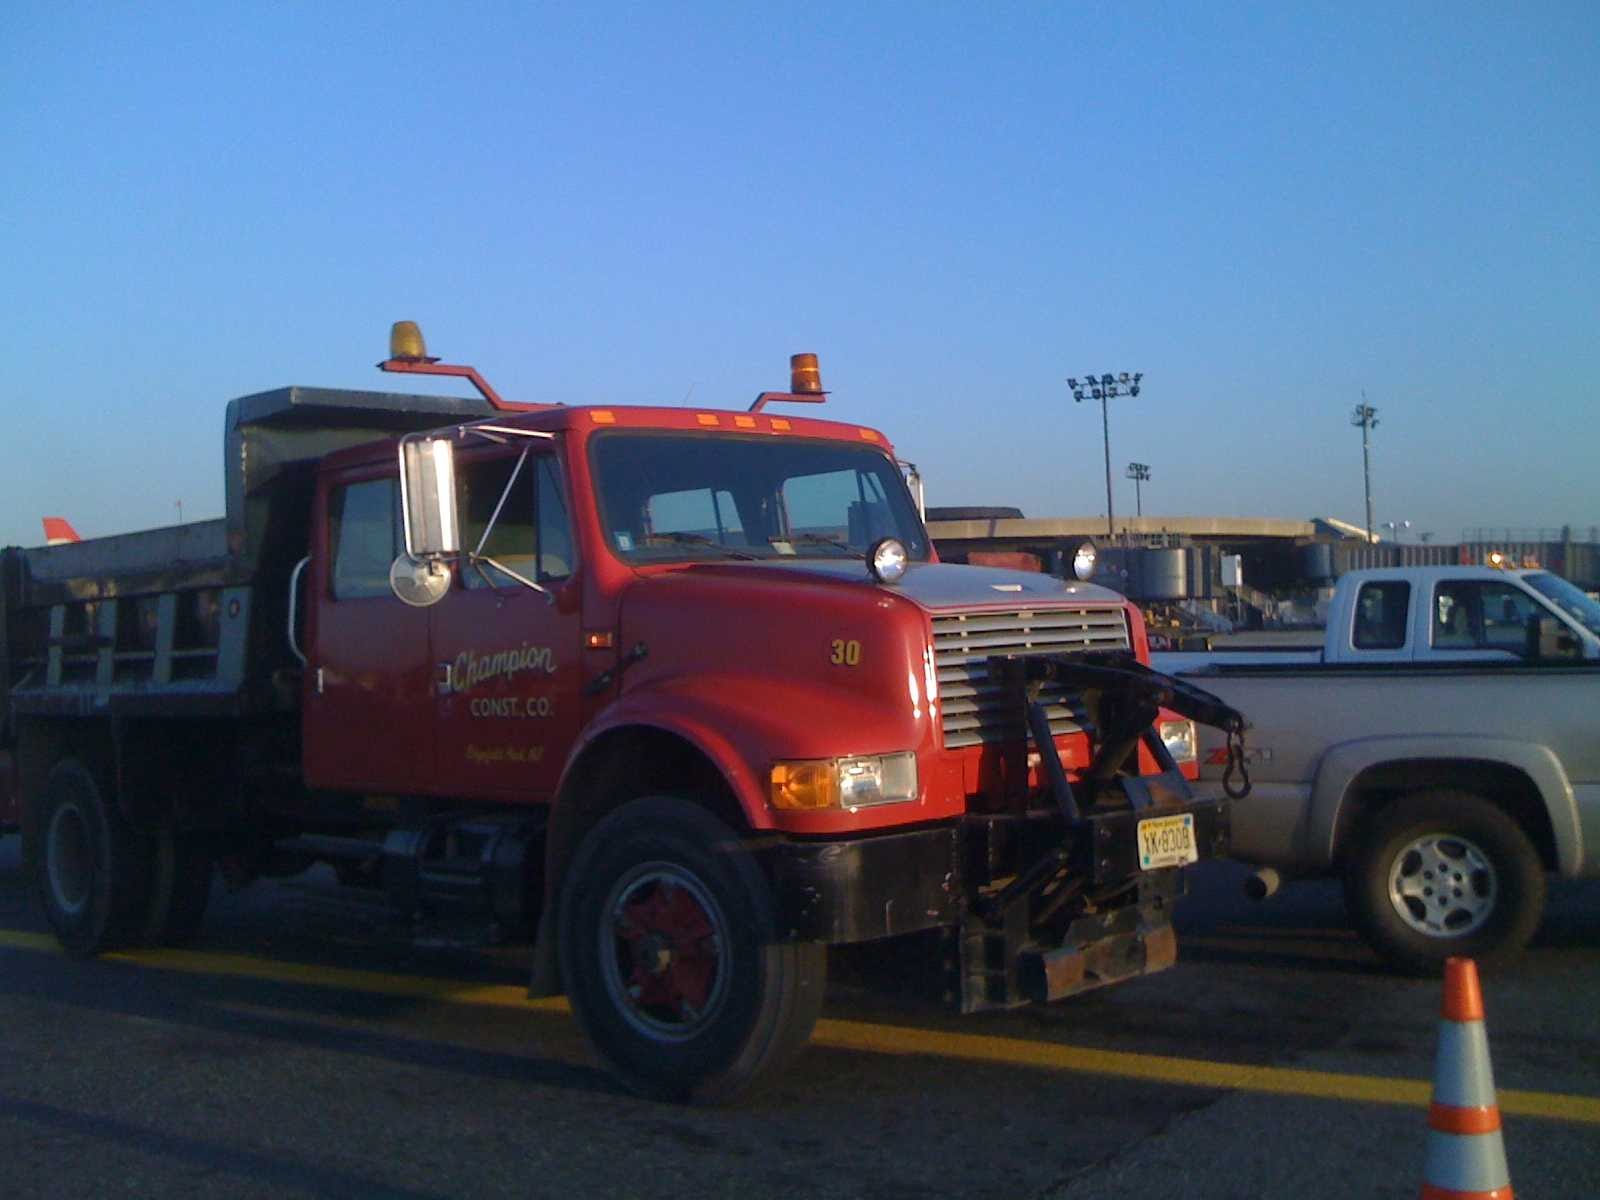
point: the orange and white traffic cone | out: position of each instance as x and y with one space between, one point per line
1466 1156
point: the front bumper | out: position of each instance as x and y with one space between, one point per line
1043 902
875 886
869 887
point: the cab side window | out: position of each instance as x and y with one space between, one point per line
1506 612
1381 615
513 510
1474 615
363 537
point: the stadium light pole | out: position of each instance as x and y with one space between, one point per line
1139 473
1104 388
1367 418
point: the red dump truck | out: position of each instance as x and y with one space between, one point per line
682 696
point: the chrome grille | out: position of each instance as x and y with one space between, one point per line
973 710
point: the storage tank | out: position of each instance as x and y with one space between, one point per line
1160 574
1316 562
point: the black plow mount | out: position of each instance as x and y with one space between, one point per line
1078 910
1130 697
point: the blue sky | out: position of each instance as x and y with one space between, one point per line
1265 209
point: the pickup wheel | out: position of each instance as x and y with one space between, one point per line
1442 873
669 958
92 869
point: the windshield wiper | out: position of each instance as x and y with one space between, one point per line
817 539
699 539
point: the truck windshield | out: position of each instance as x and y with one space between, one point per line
1568 599
671 497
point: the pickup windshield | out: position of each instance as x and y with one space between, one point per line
1567 598
671 497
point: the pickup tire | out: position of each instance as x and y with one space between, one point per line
669 959
1444 873
92 872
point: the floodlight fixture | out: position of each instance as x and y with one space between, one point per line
1366 418
1103 388
1140 474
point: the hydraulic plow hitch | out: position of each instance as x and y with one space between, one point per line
1130 696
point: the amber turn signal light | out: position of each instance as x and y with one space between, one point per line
805 786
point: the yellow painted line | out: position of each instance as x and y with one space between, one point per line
875 1038
242 966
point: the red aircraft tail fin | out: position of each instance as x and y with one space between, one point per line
59 530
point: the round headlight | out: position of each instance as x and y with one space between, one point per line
1083 561
887 560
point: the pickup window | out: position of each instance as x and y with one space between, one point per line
1569 599
1474 615
1381 615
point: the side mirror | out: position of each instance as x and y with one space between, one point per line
428 507
428 496
913 479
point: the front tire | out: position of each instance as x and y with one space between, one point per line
669 958
1444 873
92 873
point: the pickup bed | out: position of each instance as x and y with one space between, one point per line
1442 781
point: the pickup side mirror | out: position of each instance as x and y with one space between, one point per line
428 507
1548 639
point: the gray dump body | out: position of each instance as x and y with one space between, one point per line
192 620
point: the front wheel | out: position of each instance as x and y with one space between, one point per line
669 959
1442 873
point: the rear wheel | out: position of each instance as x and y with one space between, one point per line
668 955
92 869
180 888
1442 873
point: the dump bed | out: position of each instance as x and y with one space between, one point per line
192 620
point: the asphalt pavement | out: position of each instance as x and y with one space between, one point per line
308 1046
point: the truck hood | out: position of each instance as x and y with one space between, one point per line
933 586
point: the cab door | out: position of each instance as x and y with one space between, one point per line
505 639
367 716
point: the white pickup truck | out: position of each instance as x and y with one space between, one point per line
1442 754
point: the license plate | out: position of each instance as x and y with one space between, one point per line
1167 842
